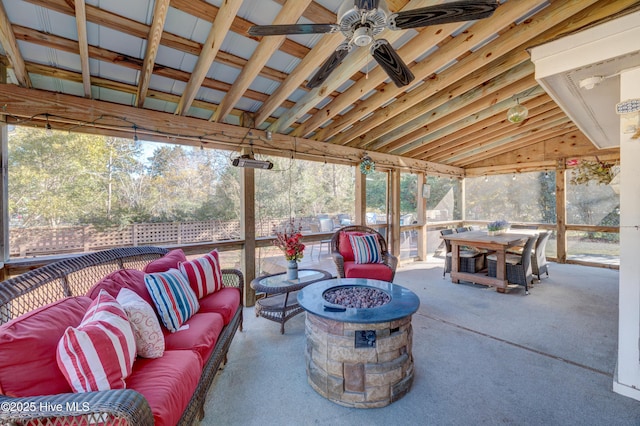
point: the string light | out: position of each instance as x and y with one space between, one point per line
47 127
486 178
135 133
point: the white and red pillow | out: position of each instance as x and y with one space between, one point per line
366 248
145 325
99 353
203 274
175 301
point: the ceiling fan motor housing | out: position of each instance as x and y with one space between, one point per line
361 25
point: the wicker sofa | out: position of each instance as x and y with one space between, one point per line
64 285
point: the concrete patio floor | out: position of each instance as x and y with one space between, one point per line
481 357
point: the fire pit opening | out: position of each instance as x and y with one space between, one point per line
359 340
351 296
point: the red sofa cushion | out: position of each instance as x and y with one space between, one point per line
201 335
166 262
123 278
225 302
376 271
344 245
28 365
167 383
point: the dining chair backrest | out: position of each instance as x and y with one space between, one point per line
314 227
462 229
526 254
541 245
447 243
326 225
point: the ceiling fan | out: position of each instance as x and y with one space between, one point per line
360 20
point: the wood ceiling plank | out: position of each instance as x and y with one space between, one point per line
418 118
315 12
497 131
505 15
337 78
83 46
290 12
477 131
219 30
431 36
153 42
10 46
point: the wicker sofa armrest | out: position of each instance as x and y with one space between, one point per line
112 407
391 261
233 278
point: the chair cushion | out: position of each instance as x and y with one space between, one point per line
514 259
203 274
174 300
366 248
200 333
376 271
123 278
99 353
167 383
28 365
144 322
344 245
166 262
225 302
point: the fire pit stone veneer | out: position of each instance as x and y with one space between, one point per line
359 357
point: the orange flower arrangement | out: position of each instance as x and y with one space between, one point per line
290 241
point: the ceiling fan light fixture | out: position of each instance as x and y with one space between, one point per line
362 36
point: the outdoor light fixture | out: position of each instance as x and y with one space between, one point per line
247 161
517 113
269 135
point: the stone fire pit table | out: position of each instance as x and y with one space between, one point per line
359 357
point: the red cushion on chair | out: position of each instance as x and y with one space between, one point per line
375 271
28 365
225 302
200 333
124 278
167 383
344 245
166 262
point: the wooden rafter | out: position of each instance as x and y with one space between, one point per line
153 42
10 46
83 46
219 29
290 12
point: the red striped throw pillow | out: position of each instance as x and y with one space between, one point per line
203 274
99 353
366 248
175 301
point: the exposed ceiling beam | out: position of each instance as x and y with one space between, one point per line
290 12
457 47
25 103
10 46
83 46
153 42
218 31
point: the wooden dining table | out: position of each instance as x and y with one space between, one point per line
482 240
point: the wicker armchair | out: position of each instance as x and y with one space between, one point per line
387 258
518 266
538 257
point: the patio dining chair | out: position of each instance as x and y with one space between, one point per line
519 269
470 260
539 264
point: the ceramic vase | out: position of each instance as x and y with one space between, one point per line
292 270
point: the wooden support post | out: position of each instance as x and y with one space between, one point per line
422 216
361 198
394 212
248 232
4 185
561 212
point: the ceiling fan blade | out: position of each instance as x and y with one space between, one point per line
329 65
366 4
464 10
391 62
271 30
